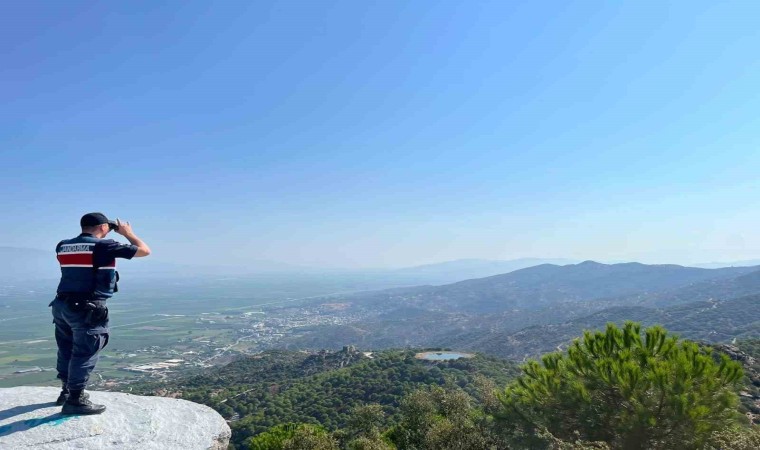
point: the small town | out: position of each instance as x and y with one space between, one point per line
215 339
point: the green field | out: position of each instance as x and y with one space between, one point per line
165 319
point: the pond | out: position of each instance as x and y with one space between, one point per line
443 356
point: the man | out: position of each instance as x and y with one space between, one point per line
88 279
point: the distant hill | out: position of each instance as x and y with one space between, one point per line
465 269
710 321
548 285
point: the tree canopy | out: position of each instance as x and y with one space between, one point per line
629 390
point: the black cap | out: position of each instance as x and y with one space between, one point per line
93 219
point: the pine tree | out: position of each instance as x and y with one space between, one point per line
625 389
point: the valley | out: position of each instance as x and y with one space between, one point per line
160 332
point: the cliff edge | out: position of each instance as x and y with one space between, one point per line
30 419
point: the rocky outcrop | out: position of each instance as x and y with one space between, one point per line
734 353
750 395
30 419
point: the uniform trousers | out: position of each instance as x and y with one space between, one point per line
79 343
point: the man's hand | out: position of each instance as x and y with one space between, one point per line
125 229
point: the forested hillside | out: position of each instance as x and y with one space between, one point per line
279 387
617 388
712 321
721 288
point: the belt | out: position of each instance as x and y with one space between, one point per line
78 297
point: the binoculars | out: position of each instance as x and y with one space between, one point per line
113 225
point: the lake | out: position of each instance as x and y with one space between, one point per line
443 356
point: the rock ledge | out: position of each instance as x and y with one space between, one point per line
30 419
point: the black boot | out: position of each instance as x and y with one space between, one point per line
65 394
79 403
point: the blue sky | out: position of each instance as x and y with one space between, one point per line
367 134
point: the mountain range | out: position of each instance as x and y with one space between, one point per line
548 285
532 310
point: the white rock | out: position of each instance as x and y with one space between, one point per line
30 419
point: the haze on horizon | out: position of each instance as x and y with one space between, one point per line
390 134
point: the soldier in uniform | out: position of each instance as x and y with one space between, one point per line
80 315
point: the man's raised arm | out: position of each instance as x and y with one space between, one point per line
125 229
